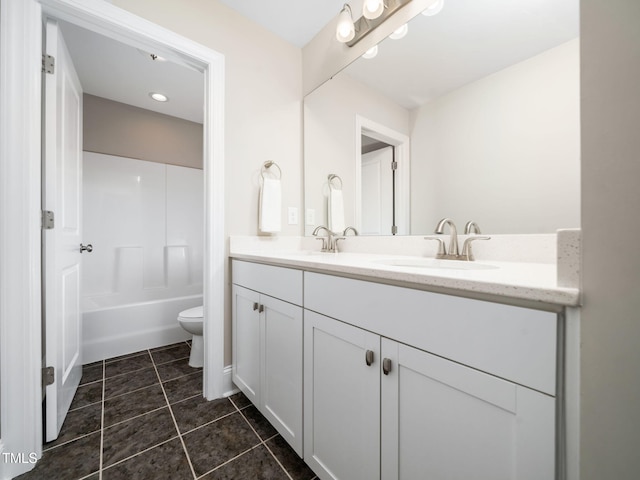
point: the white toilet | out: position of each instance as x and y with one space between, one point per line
191 321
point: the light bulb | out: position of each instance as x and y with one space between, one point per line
372 52
399 32
434 9
372 8
345 30
159 97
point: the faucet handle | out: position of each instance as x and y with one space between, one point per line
335 243
466 247
442 250
324 243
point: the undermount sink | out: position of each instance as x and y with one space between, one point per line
433 263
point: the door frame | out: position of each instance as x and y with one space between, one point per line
401 144
20 201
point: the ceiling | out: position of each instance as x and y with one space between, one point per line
119 72
467 40
296 21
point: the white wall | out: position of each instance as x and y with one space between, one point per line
330 138
610 319
517 130
263 98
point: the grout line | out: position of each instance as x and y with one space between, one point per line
88 383
128 356
276 459
264 442
172 360
79 437
137 416
181 376
139 453
84 406
230 460
132 391
175 423
187 398
209 423
137 370
104 382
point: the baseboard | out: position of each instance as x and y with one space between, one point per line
227 384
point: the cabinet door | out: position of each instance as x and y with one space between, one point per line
281 368
443 420
342 400
246 342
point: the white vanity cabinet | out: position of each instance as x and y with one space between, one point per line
342 399
441 419
452 388
267 343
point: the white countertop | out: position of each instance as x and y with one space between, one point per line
530 283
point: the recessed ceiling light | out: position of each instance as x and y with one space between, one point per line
158 97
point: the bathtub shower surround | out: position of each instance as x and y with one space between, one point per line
144 220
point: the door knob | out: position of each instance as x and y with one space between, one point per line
88 248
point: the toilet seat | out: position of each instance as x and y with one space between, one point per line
192 313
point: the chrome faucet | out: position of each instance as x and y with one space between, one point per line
352 229
454 253
330 240
329 236
471 228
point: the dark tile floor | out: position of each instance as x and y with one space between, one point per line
142 416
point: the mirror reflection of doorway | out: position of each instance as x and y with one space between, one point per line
378 187
382 184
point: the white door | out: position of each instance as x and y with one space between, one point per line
62 194
377 192
281 364
442 420
342 399
246 342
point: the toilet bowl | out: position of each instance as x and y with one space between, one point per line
191 321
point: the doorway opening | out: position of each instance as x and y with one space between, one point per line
20 122
382 179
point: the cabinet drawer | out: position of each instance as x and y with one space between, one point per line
514 343
278 282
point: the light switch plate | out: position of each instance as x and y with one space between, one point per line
293 216
310 216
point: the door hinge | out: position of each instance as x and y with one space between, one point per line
394 165
47 220
48 374
48 63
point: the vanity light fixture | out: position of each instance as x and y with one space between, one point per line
400 32
158 97
372 8
434 9
371 53
351 33
345 30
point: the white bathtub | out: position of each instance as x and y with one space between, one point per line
111 327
